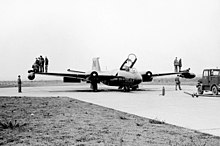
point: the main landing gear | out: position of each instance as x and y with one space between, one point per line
128 88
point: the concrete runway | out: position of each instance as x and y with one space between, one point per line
175 107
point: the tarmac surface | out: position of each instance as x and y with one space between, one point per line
175 107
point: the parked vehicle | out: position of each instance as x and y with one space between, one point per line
210 81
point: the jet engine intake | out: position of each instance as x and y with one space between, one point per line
187 75
93 76
94 80
31 75
147 77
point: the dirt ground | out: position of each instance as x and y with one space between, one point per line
67 121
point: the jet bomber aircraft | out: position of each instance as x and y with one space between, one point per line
126 78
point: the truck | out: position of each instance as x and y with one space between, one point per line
210 81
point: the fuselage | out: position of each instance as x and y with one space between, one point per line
129 77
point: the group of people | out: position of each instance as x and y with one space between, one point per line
41 64
177 65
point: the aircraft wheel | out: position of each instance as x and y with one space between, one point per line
120 87
199 89
214 90
135 88
126 88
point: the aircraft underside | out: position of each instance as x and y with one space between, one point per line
126 88
122 84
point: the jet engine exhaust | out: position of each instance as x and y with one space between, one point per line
187 75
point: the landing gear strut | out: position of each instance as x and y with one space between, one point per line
94 86
135 87
126 88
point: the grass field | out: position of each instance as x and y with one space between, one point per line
66 121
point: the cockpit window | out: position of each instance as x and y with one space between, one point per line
129 62
133 70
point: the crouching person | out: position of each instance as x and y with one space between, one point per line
35 67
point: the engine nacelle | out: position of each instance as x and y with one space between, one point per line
187 75
147 77
93 76
31 75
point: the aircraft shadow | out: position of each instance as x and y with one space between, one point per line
209 95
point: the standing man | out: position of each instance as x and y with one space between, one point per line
176 64
19 84
46 64
177 81
42 63
180 64
36 65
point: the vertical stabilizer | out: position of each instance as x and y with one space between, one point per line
95 64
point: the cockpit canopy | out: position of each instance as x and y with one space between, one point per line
133 70
129 62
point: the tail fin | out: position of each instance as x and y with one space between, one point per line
95 64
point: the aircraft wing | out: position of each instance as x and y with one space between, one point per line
78 76
164 74
148 76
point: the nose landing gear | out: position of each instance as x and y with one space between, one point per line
126 88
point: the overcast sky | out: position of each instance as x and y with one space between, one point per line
71 32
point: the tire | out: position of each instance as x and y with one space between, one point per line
135 87
214 90
199 90
126 88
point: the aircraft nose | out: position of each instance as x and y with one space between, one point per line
137 81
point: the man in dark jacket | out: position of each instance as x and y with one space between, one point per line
46 64
42 63
176 64
180 64
177 81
